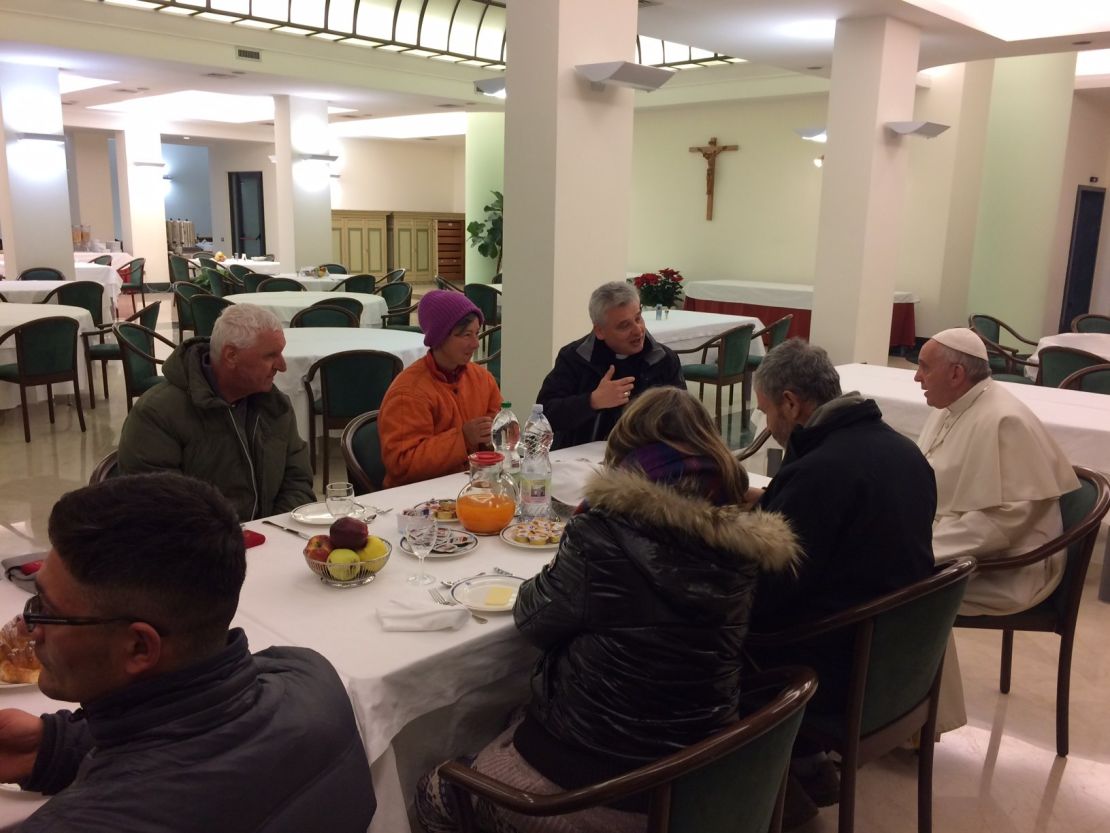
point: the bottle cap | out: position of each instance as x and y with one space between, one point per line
505 405
485 459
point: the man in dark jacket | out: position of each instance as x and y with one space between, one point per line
595 377
219 418
181 727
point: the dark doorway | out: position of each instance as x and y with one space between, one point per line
248 220
1081 257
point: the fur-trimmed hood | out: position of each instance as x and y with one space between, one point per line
762 537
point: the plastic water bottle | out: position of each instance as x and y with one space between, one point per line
535 465
506 439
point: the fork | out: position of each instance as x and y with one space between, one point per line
451 601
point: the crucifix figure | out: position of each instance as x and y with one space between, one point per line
710 153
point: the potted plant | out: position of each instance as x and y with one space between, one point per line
487 235
662 287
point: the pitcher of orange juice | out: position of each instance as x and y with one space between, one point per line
487 503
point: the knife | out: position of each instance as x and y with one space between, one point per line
296 532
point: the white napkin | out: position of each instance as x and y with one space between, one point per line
422 616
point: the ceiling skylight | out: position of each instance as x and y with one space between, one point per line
1012 20
403 127
198 105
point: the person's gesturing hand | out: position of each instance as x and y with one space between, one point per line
476 432
20 737
610 392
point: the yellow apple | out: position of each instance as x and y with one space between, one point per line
373 554
343 564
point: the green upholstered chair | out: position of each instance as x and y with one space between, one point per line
398 298
251 281
1093 379
207 262
106 468
773 335
238 270
215 281
732 363
109 351
490 340
485 298
394 276
352 382
352 305
1091 322
1082 512
179 269
1002 358
3 297
1058 363
102 260
132 276
897 645
45 354
324 315
183 294
357 283
41 273
496 278
731 782
443 283
88 295
140 366
401 319
206 309
362 452
280 285
334 268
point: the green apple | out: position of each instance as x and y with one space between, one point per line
343 564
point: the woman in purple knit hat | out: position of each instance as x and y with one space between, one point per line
441 408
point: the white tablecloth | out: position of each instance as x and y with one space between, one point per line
287 304
261 267
305 345
315 284
118 258
767 294
12 315
1097 343
106 275
682 329
1078 421
32 292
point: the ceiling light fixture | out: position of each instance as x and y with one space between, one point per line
624 74
493 87
57 138
315 157
928 129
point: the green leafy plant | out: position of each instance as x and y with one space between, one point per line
487 235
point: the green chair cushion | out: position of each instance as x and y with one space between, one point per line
1017 378
754 361
700 372
9 372
104 351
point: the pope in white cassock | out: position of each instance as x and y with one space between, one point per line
999 474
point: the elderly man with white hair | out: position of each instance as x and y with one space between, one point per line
218 417
999 474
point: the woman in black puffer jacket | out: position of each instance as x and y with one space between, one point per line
641 616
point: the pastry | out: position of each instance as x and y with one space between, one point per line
18 663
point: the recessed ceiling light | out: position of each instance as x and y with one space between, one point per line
69 82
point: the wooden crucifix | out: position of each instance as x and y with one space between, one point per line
710 152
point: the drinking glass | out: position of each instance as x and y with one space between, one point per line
420 532
340 499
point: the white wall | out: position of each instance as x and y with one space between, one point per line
384 175
766 199
93 179
240 156
188 192
1088 155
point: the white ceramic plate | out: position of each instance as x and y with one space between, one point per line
4 685
454 519
474 592
449 543
507 537
317 514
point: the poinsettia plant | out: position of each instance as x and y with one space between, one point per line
662 287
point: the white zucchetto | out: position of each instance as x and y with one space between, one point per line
962 340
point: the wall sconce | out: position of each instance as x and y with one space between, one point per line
58 138
493 87
928 129
154 164
813 134
819 161
624 74
315 157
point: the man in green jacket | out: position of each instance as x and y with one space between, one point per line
219 418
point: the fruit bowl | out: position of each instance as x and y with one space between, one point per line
349 574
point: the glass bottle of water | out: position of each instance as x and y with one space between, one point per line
506 439
535 465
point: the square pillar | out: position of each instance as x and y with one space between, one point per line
303 184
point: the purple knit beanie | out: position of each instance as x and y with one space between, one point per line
440 310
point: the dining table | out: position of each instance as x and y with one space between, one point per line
12 315
683 329
287 304
1097 343
118 258
315 283
261 267
34 292
307 345
105 275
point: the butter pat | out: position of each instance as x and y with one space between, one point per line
498 596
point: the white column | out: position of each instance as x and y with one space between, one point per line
303 184
34 188
485 173
568 171
142 198
873 71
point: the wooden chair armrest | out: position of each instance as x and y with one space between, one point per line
758 443
704 347
990 563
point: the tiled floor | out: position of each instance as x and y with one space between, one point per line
998 774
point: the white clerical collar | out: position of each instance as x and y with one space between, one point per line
969 398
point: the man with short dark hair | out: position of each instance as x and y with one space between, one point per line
219 418
596 376
181 727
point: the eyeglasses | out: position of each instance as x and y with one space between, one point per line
33 617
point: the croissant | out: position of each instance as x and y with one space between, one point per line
18 663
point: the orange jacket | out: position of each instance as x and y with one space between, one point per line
421 419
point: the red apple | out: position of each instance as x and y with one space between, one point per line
349 533
318 548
